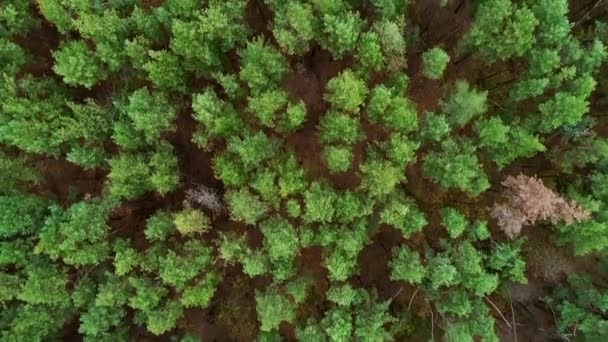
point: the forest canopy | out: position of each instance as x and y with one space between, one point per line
303 170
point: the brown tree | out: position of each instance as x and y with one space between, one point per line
527 201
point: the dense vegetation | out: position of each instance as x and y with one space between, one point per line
311 170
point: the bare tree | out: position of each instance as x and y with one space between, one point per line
207 198
528 201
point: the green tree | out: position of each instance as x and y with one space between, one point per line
164 169
204 38
189 221
21 215
319 201
273 308
129 176
454 222
434 62
456 165
165 71
281 243
339 158
369 52
262 67
406 265
401 212
246 207
336 127
77 235
77 64
294 26
152 114
253 149
341 32
346 92
392 110
501 30
379 177
159 226
464 104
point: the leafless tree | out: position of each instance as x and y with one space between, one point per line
528 201
207 198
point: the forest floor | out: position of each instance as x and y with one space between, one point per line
232 315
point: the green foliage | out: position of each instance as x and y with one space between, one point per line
281 243
164 169
501 30
203 40
21 215
262 67
406 265
392 110
294 26
369 52
99 141
253 149
335 127
506 259
506 143
159 226
379 177
346 92
434 127
402 213
563 109
246 207
151 114
341 32
165 71
163 318
434 62
339 158
464 104
453 221
77 65
392 33
189 221
177 269
579 306
219 119
588 236
273 308
15 18
319 201
76 235
129 176
456 165
441 272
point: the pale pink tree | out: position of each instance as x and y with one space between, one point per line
528 200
